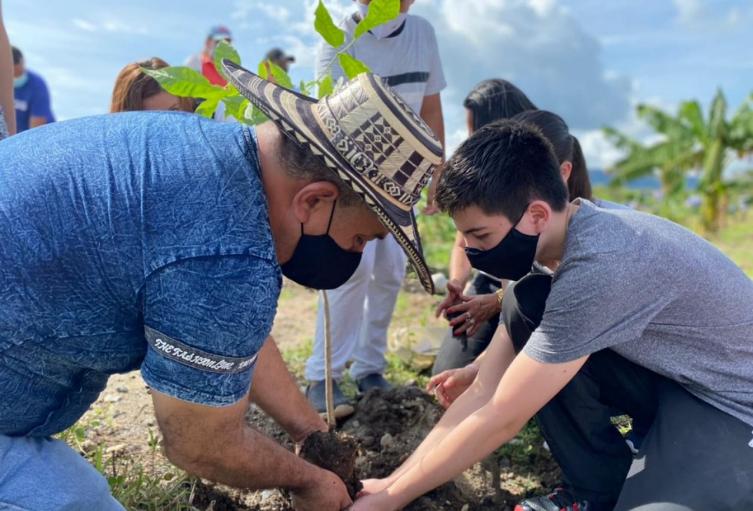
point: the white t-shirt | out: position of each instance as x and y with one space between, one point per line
408 59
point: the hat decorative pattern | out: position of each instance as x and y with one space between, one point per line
359 132
379 147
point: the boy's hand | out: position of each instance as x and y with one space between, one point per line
448 385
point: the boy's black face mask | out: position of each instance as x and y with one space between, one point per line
510 259
319 262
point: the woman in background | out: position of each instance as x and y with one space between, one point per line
135 91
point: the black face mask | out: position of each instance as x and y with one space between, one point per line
511 259
320 263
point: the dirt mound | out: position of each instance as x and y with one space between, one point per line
384 430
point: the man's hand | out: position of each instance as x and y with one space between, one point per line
325 493
448 385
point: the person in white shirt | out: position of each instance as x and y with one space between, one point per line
405 54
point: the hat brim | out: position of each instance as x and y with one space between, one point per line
293 113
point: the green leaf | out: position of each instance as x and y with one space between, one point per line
352 67
208 106
225 50
272 72
326 86
254 116
236 106
184 82
326 27
380 12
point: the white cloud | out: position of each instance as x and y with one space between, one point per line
537 45
109 25
706 15
689 10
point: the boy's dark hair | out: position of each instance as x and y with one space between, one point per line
17 55
495 99
566 147
501 168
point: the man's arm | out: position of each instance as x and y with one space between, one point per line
6 78
500 354
275 391
217 444
525 388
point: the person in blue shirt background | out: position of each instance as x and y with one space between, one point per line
32 97
157 241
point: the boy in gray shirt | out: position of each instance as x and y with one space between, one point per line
650 318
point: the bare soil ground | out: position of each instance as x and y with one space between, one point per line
386 426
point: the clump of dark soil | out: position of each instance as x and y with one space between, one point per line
336 453
208 496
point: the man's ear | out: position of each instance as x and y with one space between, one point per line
539 214
312 197
565 170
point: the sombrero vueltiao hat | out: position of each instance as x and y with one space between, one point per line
377 145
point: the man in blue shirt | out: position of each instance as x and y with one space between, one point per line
32 96
158 241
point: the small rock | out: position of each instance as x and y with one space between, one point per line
122 390
504 463
355 424
466 507
111 398
267 495
386 441
516 441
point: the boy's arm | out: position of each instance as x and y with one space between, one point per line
525 388
499 356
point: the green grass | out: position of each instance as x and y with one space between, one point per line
140 484
736 240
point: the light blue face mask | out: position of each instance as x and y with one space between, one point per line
21 80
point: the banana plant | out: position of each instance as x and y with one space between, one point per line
689 141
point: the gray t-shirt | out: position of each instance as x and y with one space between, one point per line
409 61
658 295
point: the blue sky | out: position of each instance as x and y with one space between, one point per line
589 60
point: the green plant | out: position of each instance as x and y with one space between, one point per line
689 142
186 82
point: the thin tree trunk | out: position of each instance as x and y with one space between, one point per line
328 385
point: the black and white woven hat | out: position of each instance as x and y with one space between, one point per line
369 136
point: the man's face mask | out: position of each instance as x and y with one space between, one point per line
319 262
511 259
384 30
21 80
